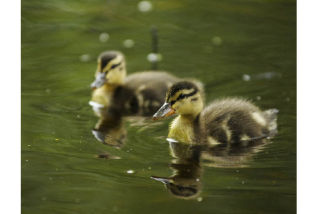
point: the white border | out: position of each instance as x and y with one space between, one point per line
10 185
308 150
308 106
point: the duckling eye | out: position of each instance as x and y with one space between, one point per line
116 65
181 96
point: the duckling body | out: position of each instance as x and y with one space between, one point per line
149 88
224 121
139 93
234 120
182 129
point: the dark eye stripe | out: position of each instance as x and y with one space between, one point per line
182 96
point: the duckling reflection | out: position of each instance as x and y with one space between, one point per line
110 131
237 155
186 179
189 161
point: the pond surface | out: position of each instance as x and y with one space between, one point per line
236 48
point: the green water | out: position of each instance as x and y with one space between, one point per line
60 170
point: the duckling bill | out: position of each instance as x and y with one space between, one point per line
164 111
224 121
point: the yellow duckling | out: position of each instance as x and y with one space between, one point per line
224 121
138 93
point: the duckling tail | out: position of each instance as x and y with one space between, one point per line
271 116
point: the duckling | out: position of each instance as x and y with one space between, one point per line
224 121
138 93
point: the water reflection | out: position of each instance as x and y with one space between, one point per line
188 162
185 181
110 131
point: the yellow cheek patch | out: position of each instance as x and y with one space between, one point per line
174 106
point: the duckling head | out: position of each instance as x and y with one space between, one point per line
183 98
111 69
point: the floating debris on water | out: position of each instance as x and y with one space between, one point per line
108 156
104 37
78 116
198 180
149 168
216 40
85 58
48 90
267 75
144 6
199 199
27 160
28 145
128 43
57 139
288 99
242 182
154 57
246 77
130 171
258 98
261 76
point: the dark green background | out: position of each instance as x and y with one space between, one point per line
60 173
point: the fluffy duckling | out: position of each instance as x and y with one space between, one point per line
224 121
138 93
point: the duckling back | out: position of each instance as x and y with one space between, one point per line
271 116
234 120
150 89
141 94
